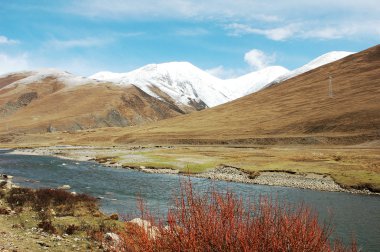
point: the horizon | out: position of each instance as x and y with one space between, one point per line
227 40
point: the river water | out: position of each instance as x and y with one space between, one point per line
119 188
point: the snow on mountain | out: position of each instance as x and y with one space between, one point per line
317 62
182 81
185 83
253 81
65 77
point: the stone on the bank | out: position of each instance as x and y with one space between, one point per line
111 241
64 187
147 226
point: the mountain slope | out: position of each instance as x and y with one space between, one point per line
46 101
300 106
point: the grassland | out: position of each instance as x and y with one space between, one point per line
349 167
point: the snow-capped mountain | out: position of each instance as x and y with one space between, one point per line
182 81
38 75
185 83
317 62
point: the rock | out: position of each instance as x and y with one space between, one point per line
111 241
6 176
3 183
112 237
64 187
6 184
147 226
57 238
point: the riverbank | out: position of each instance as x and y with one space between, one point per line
140 158
51 219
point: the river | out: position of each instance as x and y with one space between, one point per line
119 188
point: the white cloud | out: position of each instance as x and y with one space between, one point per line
342 30
7 41
279 33
12 63
311 30
277 19
269 11
257 59
72 43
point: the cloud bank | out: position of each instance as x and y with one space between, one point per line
277 20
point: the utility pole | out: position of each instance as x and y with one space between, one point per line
330 87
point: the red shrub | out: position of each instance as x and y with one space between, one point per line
223 222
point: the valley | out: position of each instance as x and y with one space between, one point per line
189 126
294 127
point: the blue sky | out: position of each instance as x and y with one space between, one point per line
87 36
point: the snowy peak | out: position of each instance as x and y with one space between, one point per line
182 81
317 62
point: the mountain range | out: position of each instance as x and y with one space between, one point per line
49 99
187 84
310 108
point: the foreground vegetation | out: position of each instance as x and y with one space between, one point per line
215 221
51 219
58 220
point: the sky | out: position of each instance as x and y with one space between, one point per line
225 38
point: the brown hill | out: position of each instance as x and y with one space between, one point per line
301 109
50 104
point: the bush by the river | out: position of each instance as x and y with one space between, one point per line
215 221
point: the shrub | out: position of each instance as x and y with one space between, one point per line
19 197
47 226
71 229
45 199
64 202
223 222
